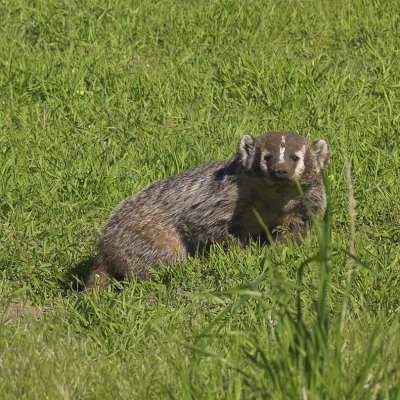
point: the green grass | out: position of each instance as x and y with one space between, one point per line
99 99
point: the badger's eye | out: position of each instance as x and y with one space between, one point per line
268 157
295 158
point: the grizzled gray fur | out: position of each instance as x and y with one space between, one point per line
177 216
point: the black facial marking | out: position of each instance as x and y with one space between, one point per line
256 165
268 157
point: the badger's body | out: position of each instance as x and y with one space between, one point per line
240 197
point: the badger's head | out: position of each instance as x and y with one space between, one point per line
283 157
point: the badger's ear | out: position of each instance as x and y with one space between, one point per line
320 149
246 151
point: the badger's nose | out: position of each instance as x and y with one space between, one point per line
280 171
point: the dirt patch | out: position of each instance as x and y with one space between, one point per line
14 311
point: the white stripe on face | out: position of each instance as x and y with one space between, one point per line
282 150
300 164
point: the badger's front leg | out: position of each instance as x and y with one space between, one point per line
295 227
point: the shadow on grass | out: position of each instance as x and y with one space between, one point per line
76 277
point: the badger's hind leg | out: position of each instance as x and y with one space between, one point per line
144 247
134 250
99 274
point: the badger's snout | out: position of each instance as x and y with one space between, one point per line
280 171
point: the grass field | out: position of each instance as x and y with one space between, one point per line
99 99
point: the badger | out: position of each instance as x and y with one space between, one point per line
271 189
